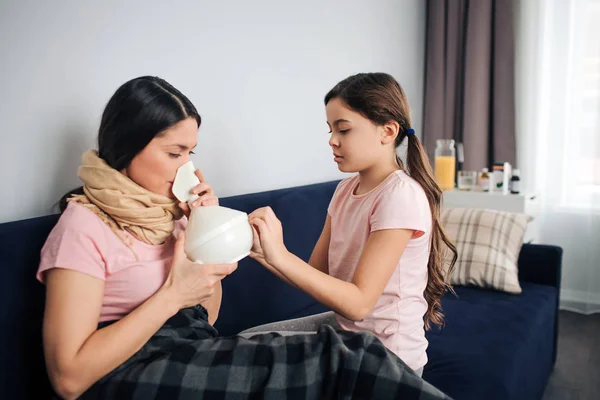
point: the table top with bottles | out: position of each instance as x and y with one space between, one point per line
499 189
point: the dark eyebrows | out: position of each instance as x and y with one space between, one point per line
181 147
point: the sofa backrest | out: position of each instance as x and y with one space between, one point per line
251 295
22 307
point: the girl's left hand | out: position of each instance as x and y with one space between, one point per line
270 236
206 193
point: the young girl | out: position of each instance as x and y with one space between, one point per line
378 263
128 316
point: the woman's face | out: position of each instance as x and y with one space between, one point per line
154 168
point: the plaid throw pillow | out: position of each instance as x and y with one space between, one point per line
488 243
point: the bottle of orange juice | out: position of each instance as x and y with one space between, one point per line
445 163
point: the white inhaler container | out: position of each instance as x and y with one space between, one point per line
215 234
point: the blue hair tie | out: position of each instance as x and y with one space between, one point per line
409 132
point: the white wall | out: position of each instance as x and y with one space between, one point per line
257 72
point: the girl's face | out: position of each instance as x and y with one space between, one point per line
155 167
357 143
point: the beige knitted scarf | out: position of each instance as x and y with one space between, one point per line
123 204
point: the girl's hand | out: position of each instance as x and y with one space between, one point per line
190 284
257 252
206 193
268 237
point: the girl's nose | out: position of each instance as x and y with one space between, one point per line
333 142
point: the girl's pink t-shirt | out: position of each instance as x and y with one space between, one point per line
399 202
81 242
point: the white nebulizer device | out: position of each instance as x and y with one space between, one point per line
215 234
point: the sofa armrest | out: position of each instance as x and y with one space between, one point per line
541 264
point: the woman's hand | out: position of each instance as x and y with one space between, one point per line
189 283
206 193
268 237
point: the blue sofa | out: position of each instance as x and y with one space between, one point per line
494 345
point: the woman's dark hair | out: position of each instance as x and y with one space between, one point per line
140 110
379 97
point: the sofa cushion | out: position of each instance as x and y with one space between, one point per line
495 345
488 243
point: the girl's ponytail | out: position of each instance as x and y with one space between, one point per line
419 168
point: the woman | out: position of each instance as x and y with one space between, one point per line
129 316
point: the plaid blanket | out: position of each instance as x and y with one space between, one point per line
186 359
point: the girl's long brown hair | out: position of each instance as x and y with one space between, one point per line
379 97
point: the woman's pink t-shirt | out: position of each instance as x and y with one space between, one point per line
399 202
81 242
